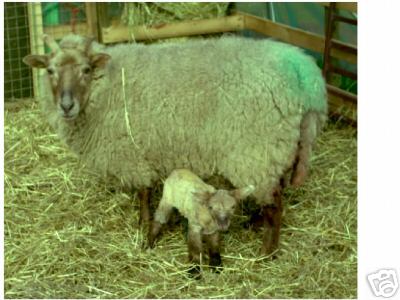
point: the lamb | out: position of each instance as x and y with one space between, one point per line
248 110
207 210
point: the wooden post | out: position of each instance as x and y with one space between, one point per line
350 6
36 42
91 20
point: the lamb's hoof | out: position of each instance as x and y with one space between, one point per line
144 245
216 263
255 222
151 242
217 269
194 272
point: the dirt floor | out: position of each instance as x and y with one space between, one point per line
68 235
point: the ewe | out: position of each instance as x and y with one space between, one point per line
246 109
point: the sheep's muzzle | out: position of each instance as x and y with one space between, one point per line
68 105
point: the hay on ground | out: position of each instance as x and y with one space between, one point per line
69 236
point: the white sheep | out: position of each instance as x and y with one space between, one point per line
246 109
208 211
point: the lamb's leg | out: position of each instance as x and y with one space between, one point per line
195 250
161 217
213 243
154 232
272 222
144 198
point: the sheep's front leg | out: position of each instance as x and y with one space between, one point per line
272 215
213 243
144 200
195 250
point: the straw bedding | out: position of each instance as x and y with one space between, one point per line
67 235
135 14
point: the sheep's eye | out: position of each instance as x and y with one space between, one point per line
50 71
86 70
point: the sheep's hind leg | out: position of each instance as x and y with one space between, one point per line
144 200
272 222
308 134
213 243
300 166
195 250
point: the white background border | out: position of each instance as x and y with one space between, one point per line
378 143
379 140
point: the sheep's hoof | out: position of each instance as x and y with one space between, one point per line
194 272
297 182
299 176
144 222
269 251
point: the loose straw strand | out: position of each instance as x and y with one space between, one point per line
128 126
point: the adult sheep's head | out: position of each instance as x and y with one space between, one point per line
70 68
222 203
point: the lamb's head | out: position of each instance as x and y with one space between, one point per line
70 68
222 203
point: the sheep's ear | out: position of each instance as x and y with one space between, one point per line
36 61
242 192
202 197
99 60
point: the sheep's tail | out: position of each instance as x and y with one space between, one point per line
304 74
314 98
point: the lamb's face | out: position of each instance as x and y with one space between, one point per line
222 206
69 72
222 203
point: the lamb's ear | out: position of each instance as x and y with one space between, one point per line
242 192
36 61
202 197
99 60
